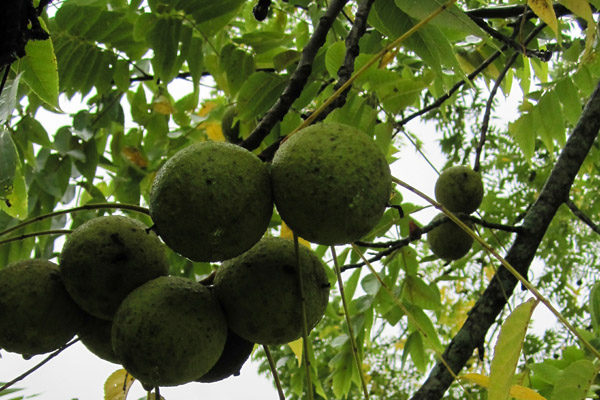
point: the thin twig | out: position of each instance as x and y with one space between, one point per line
357 359
38 365
274 372
35 234
304 318
297 80
580 214
488 109
543 55
439 101
88 207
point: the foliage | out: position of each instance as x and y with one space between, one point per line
156 76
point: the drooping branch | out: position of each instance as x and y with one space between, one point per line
442 99
298 79
488 109
554 193
582 216
543 55
352 50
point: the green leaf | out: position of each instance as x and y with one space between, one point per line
238 65
569 98
414 347
40 71
258 94
334 58
164 38
507 350
453 21
575 381
8 98
594 306
15 203
553 121
523 131
417 292
420 322
9 161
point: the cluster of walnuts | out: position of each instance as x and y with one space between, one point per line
209 202
460 190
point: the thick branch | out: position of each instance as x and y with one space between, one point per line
298 79
513 12
352 50
520 255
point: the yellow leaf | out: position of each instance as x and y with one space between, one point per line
296 347
207 107
213 131
507 350
544 10
287 233
517 392
162 105
582 9
117 385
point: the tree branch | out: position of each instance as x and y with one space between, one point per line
352 50
440 100
38 365
513 12
584 218
520 255
543 55
488 109
298 78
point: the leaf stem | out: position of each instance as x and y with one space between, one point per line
304 318
38 365
357 359
274 372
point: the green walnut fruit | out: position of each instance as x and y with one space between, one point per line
459 189
236 352
37 315
211 201
259 291
448 241
230 129
169 331
331 183
95 336
106 258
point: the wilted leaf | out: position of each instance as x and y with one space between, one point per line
117 385
297 348
517 392
545 10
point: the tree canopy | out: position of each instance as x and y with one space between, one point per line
157 76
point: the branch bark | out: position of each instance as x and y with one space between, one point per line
554 193
298 79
